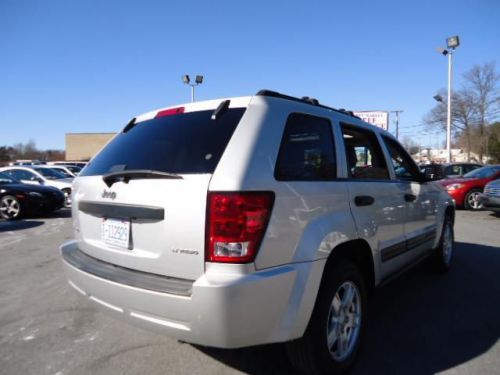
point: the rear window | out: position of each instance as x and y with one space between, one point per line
306 152
184 143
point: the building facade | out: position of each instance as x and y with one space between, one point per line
83 146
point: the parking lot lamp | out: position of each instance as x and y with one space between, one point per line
452 43
198 81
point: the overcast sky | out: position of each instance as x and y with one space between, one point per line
89 66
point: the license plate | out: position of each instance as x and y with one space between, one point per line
116 232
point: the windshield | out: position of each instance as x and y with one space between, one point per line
49 173
181 143
63 172
74 168
6 179
484 172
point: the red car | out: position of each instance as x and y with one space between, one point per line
465 190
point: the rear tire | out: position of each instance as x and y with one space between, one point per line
471 200
443 254
10 208
333 335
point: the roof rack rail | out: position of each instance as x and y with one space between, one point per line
304 99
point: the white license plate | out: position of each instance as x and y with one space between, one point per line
116 232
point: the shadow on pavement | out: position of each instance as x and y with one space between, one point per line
261 360
61 213
7 226
421 323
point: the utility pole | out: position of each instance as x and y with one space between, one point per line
397 112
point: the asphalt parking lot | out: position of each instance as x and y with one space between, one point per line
420 324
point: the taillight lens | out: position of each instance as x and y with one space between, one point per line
236 223
170 112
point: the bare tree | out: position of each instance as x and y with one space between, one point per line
462 115
472 108
410 145
482 82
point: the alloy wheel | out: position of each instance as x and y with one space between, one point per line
344 321
473 201
447 243
9 208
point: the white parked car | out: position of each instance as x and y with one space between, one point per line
254 220
41 175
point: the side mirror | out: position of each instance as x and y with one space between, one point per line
423 178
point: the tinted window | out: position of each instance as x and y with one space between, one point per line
453 170
63 172
20 174
181 143
306 151
6 179
468 168
404 166
363 154
484 172
49 173
74 168
432 171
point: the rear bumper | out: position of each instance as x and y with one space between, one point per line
226 307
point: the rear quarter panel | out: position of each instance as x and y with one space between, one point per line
309 217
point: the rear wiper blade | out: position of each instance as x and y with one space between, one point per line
137 174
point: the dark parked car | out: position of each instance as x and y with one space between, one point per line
451 170
18 199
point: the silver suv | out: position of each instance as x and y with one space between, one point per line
253 220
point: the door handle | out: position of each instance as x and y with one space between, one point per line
410 197
364 200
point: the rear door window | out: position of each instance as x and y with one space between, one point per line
363 154
184 143
306 152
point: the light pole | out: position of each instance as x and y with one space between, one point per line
452 42
187 81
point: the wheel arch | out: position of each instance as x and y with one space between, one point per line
359 252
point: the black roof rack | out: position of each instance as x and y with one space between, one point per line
304 99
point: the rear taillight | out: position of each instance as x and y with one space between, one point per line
236 223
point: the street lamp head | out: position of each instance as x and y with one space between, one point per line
438 98
453 42
199 79
185 79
